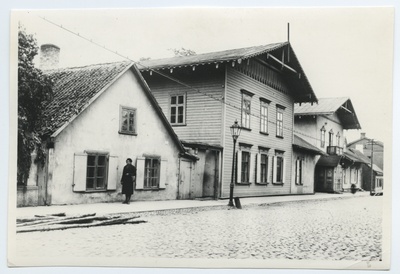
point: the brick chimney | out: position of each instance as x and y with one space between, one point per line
49 56
362 135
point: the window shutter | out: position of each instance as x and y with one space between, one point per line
297 172
112 173
252 167
239 166
283 170
163 173
274 169
302 171
80 166
140 172
269 168
258 167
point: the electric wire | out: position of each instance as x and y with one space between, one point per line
138 63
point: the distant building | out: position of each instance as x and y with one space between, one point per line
322 126
202 96
364 145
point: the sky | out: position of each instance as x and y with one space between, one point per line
345 52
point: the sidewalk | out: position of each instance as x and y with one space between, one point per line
144 206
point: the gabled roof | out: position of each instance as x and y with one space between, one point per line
208 58
361 156
328 106
75 89
299 79
376 142
304 145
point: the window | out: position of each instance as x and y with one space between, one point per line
151 173
263 117
263 168
279 122
278 174
245 167
338 139
246 106
178 109
323 137
96 169
279 169
331 137
299 172
127 120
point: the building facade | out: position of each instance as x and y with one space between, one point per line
100 116
203 95
323 125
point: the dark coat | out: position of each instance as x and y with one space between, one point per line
127 180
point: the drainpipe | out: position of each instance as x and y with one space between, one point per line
179 176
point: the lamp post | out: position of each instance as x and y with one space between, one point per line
235 132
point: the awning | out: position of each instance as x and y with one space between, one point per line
302 144
329 161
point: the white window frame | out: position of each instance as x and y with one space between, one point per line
246 112
299 171
129 110
264 107
174 109
279 121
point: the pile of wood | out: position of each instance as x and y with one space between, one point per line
61 221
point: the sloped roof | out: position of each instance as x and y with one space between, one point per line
361 156
328 106
329 160
73 90
304 145
208 58
300 80
77 88
376 142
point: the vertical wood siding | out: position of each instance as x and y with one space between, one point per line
203 113
235 82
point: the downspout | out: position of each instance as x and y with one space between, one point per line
179 176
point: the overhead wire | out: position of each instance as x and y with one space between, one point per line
172 78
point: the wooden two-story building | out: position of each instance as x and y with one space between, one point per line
322 125
202 96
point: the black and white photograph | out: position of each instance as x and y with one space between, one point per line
201 137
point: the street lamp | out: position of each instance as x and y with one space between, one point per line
235 132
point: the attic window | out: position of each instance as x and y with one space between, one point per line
127 120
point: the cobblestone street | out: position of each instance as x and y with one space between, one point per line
339 229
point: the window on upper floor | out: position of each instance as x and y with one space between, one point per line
338 139
178 109
127 120
246 110
331 133
323 131
279 121
264 115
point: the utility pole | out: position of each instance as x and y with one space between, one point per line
372 167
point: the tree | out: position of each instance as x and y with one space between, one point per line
34 90
183 52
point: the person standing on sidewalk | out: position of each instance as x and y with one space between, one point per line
128 180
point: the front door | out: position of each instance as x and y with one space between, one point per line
185 179
210 179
